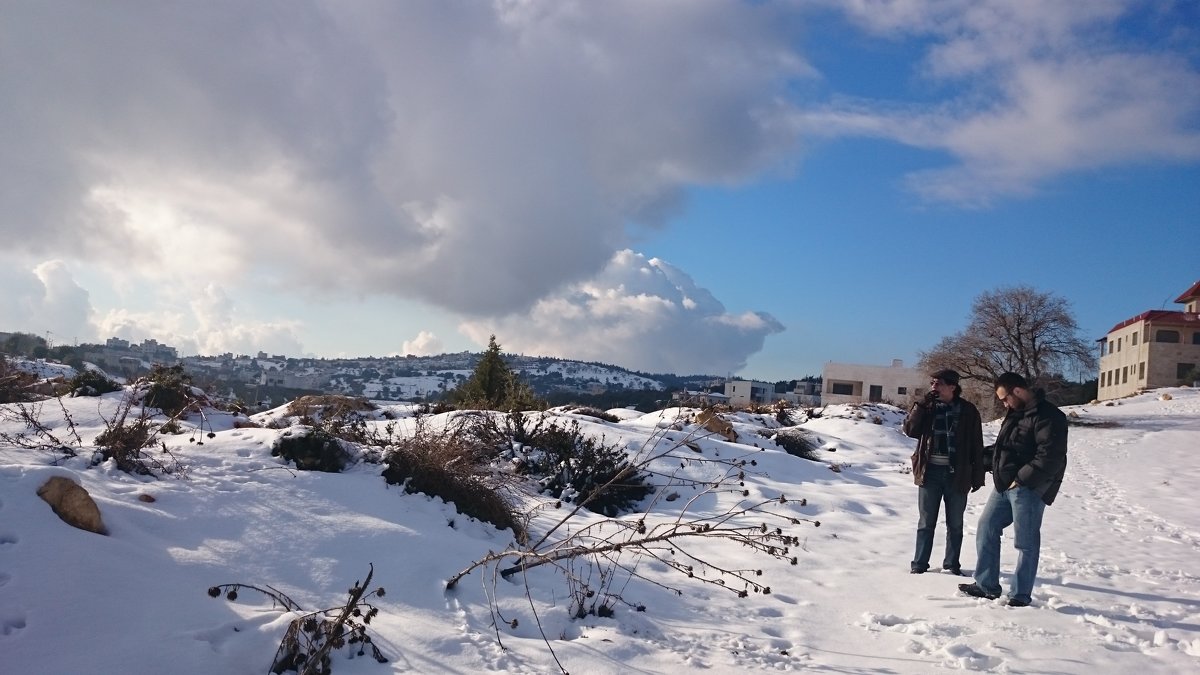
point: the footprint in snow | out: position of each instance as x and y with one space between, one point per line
11 623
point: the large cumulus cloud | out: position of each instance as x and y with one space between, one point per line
474 155
45 300
639 313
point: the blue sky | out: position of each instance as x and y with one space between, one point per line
721 187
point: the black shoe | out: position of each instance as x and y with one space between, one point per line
917 570
956 571
1013 602
975 591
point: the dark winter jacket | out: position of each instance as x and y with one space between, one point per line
1031 449
968 443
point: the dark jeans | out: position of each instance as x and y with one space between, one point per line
939 488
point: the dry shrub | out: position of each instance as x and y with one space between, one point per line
169 389
342 416
783 413
328 405
312 636
436 408
579 469
127 438
799 442
597 413
16 386
316 450
453 464
92 383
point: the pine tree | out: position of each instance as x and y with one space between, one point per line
495 386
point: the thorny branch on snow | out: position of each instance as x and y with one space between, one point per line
618 545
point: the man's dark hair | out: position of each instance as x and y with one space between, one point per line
949 377
1011 381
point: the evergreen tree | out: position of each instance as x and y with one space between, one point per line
495 386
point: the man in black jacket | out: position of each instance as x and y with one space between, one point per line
1027 469
947 464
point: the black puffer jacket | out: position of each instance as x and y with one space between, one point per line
1031 449
968 466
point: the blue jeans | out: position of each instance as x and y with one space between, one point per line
1022 508
938 488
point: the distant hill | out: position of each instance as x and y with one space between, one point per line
391 378
559 380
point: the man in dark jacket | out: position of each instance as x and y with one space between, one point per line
1027 469
947 464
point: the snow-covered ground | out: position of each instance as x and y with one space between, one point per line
1118 588
43 369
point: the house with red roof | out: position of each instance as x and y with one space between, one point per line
1157 348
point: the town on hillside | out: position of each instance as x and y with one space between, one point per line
271 379
1155 348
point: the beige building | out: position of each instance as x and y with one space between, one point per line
742 393
1157 348
854 383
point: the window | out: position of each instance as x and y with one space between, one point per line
1110 346
1119 344
1125 375
1166 335
1134 338
1142 370
1196 338
1102 343
1184 370
842 388
900 391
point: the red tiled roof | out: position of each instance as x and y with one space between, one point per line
1160 317
1189 293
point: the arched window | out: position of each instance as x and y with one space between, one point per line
1163 335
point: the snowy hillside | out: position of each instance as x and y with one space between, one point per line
1118 589
44 370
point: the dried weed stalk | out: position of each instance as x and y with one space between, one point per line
596 557
312 636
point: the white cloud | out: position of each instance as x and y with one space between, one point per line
210 323
1038 90
638 313
424 344
46 300
473 155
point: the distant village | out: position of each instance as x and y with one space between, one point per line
1153 349
268 379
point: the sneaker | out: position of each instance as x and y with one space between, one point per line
1013 602
975 591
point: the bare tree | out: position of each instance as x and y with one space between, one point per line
1014 329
